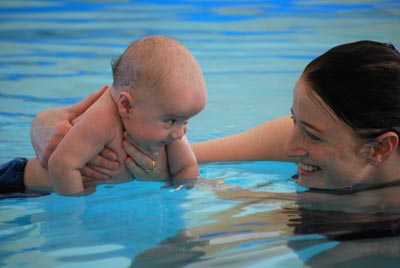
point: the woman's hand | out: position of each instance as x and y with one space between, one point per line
49 128
144 167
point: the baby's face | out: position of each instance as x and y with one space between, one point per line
162 115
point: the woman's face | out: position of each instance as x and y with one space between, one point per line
328 152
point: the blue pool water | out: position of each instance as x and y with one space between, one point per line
53 53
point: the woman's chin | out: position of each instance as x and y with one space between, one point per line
313 180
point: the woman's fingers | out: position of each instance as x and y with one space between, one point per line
144 167
47 130
141 159
136 170
105 160
92 174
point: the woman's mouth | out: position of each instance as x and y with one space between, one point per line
306 169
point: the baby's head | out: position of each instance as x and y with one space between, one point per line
158 85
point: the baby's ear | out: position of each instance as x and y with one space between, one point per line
125 102
386 145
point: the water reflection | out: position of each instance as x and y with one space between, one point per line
353 229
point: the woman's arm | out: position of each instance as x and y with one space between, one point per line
262 142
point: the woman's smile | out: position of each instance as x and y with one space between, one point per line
307 169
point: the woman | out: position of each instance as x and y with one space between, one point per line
344 134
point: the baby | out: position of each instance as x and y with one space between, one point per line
157 86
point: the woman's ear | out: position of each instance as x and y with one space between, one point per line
386 144
125 103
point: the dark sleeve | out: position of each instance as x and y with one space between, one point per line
12 180
12 175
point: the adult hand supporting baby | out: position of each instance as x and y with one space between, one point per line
143 166
49 128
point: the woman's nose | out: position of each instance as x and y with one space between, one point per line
294 146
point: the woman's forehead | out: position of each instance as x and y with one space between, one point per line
311 109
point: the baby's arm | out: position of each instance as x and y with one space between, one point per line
181 160
84 141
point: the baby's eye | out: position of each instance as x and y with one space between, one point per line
171 121
294 120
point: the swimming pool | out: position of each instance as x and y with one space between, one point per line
56 52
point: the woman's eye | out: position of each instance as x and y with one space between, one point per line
312 137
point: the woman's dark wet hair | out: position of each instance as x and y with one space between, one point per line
360 82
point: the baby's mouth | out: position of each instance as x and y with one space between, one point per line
307 169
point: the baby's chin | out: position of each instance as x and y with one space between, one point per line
153 149
156 149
